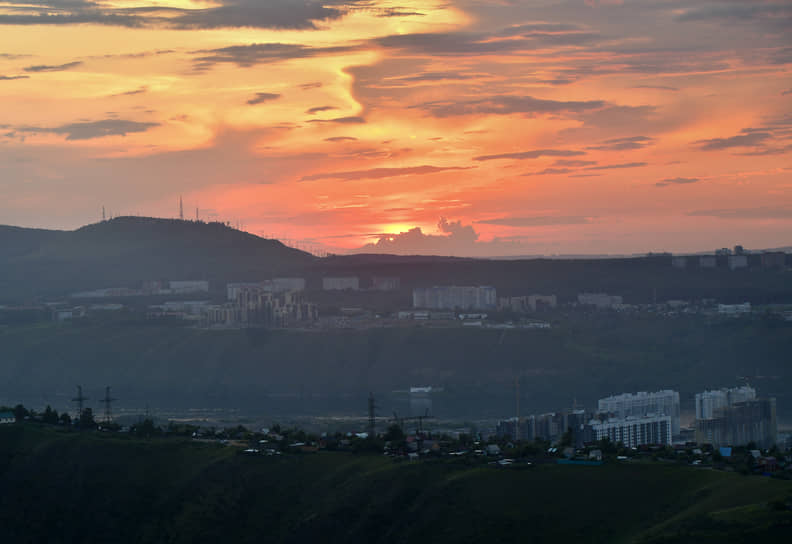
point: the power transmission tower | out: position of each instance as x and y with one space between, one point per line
517 408
79 399
372 412
107 401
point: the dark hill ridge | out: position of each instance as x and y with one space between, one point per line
127 250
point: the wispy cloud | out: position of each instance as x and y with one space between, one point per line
624 144
675 181
260 98
379 173
93 129
532 154
53 67
762 212
507 105
348 120
537 221
617 166
319 109
741 140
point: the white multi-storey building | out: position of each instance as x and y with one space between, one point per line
288 284
453 297
709 401
340 283
189 286
664 402
634 431
734 309
600 300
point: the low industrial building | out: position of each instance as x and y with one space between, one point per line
734 309
600 300
525 304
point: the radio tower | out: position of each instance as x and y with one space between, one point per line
79 399
181 208
107 401
372 408
104 217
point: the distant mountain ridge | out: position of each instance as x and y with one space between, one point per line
126 250
38 264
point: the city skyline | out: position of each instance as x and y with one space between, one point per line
496 128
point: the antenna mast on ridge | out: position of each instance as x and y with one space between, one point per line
181 208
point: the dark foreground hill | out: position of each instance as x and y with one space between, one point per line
63 487
332 371
126 251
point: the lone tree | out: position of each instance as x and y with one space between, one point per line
394 434
87 419
20 412
49 416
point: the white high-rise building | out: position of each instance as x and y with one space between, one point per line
641 404
709 401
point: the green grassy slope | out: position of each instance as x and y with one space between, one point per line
68 487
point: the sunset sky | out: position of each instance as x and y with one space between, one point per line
457 127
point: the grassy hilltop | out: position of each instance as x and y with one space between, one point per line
88 487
